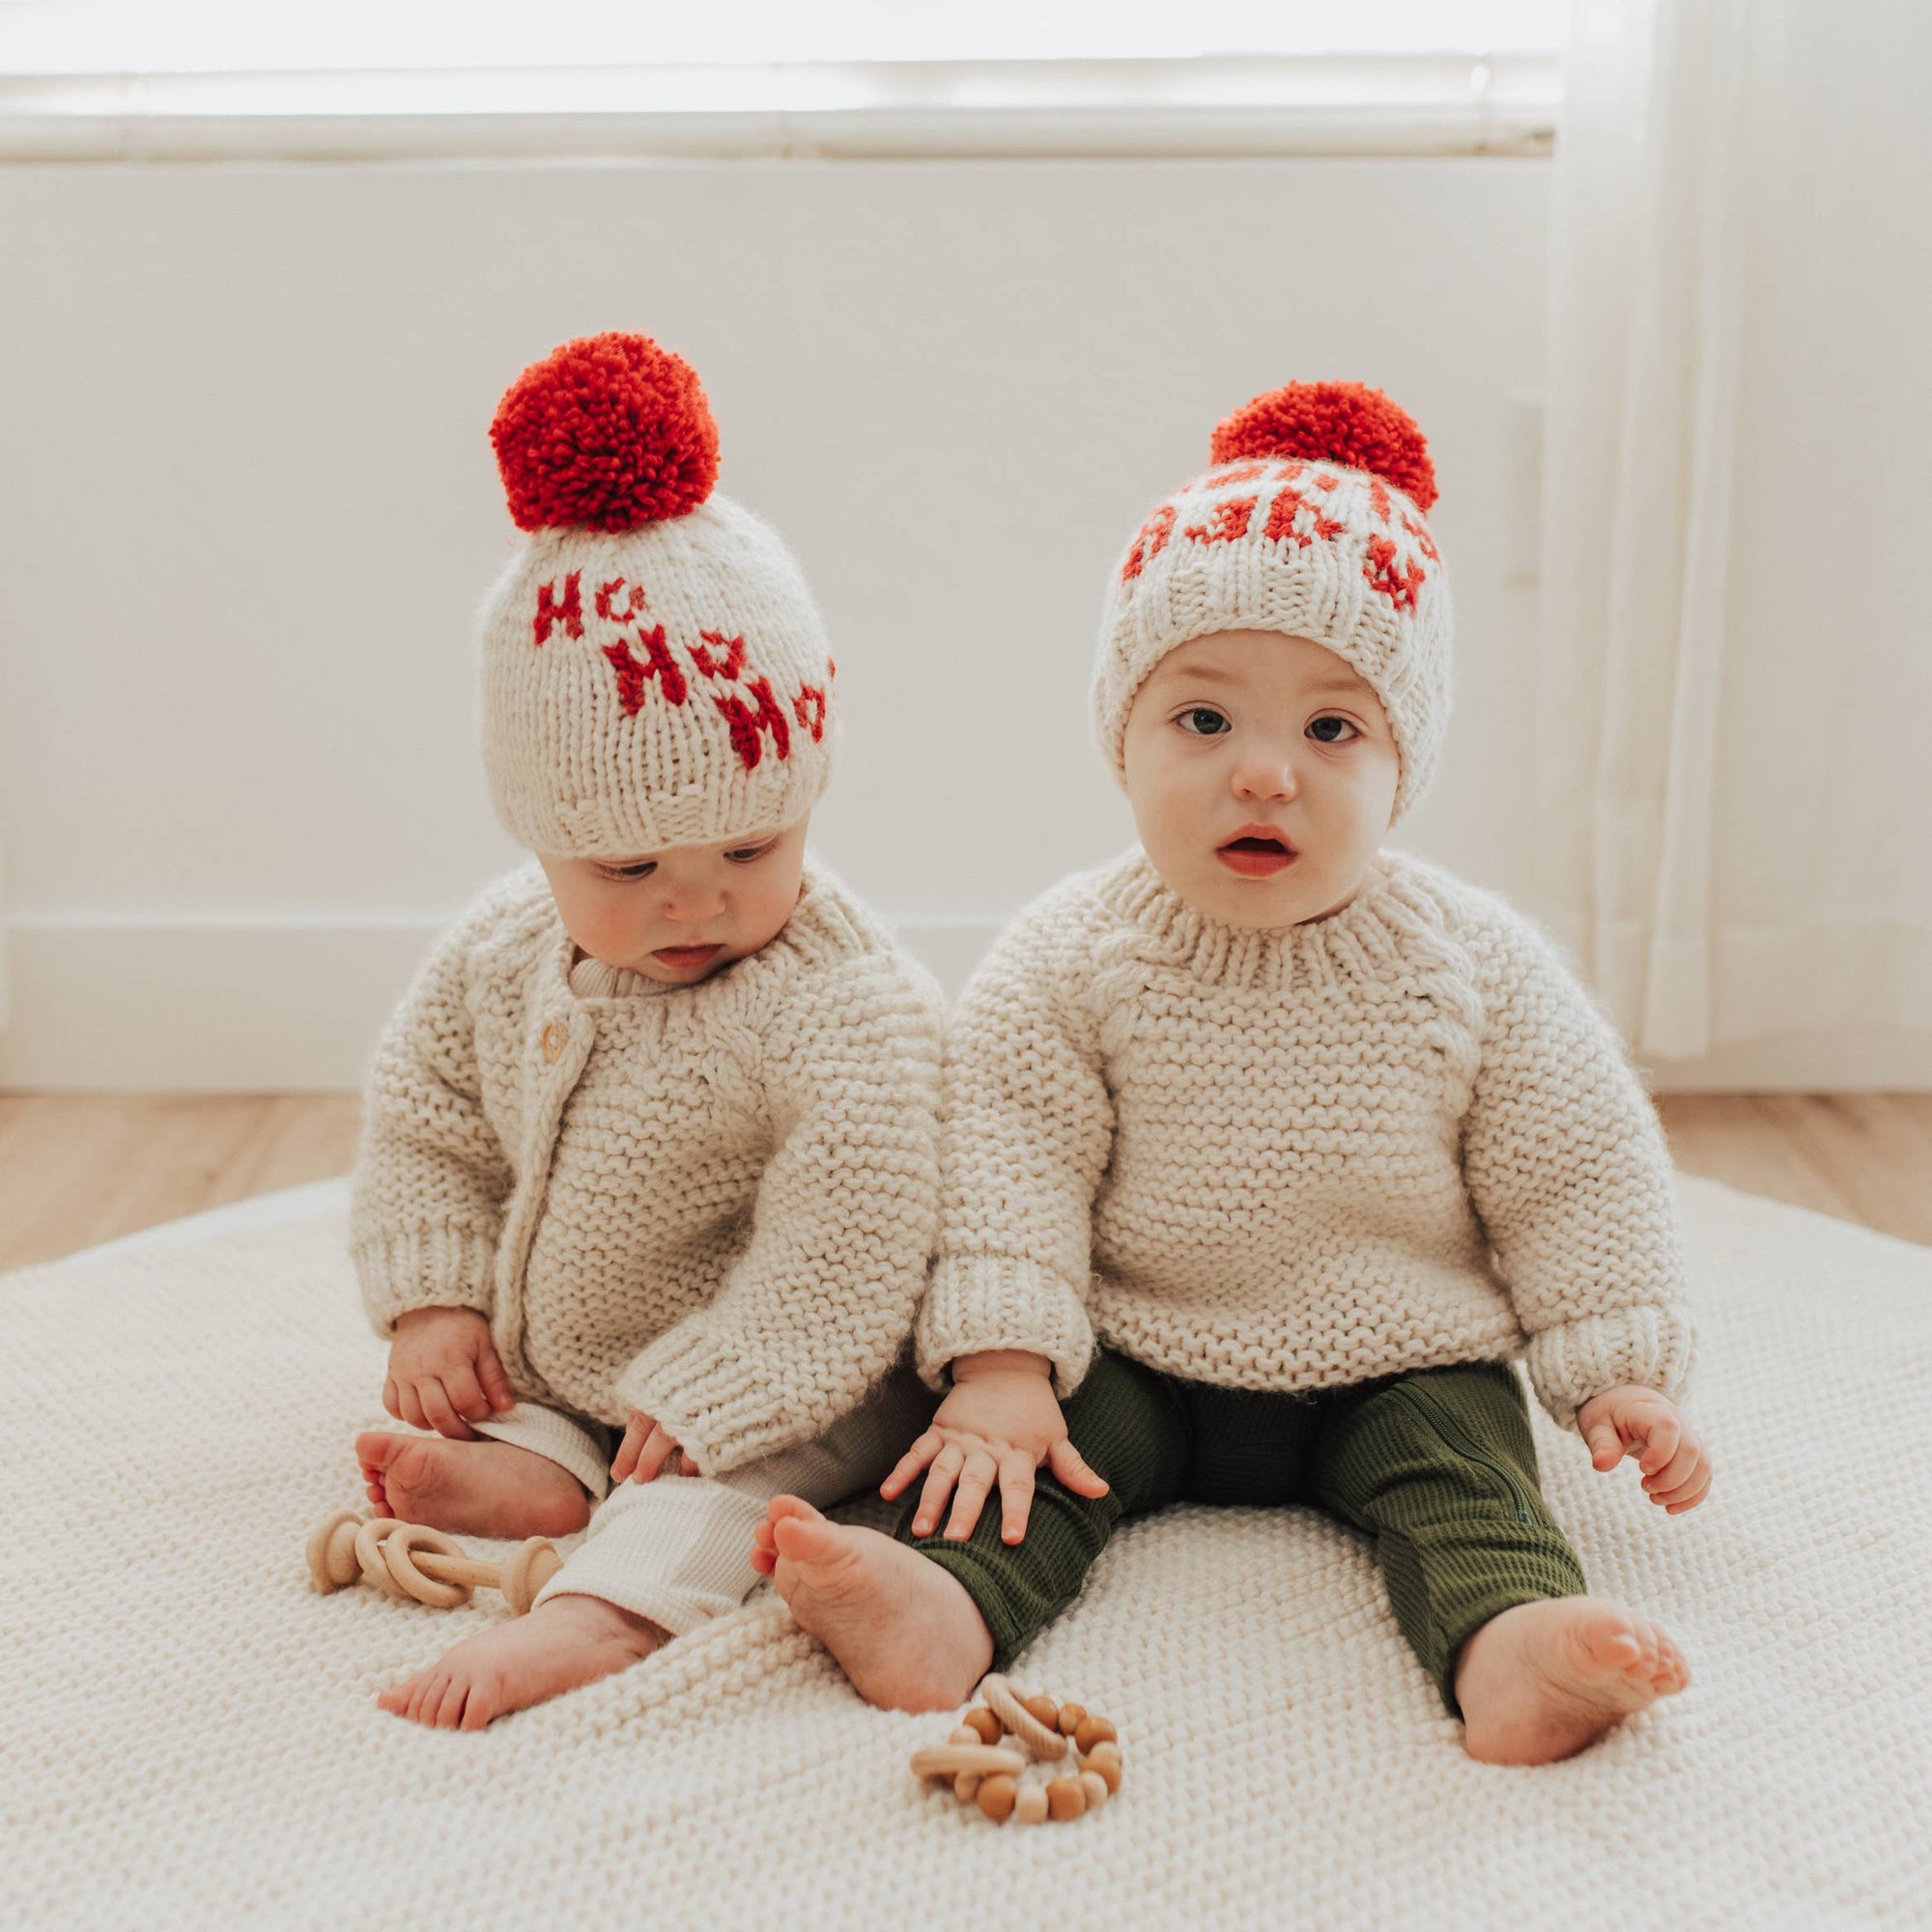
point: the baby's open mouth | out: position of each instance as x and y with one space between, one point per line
1256 855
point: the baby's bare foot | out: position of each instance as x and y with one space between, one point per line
563 1643
903 1630
471 1488
1542 1680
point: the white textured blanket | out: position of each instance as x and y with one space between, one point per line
190 1737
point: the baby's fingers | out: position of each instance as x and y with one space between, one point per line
1689 1497
391 1400
1073 1470
465 1394
626 1458
1675 1473
1016 1485
409 1407
1661 1444
490 1372
1606 1446
443 1416
976 1484
939 1481
659 1448
911 1463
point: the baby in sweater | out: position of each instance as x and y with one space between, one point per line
1266 1149
648 1158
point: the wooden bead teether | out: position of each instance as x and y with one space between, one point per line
1007 1706
412 1561
987 1752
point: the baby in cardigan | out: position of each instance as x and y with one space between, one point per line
648 1158
1264 1150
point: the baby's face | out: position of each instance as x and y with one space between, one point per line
1262 772
683 914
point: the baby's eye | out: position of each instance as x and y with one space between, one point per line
745 854
1330 731
642 869
1203 721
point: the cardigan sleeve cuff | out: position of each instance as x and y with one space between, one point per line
719 1399
1571 1361
424 1267
977 1303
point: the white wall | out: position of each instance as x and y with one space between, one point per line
249 504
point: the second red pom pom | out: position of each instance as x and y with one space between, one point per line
1335 422
605 433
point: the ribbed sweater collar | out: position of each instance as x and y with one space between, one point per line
822 927
1383 933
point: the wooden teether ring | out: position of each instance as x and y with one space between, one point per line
332 1553
980 1760
1003 1702
399 1548
369 1556
990 1774
411 1561
525 1571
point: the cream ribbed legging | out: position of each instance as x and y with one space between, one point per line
678 1549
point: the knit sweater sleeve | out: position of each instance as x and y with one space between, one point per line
820 1302
1027 1126
431 1177
1568 1170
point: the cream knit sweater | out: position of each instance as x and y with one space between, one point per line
712 1202
1397 1137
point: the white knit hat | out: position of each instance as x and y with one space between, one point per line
655 672
1311 524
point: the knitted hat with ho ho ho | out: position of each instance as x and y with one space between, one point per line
1311 524
655 672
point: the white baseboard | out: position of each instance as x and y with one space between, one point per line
294 1005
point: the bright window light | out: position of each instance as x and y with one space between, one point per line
213 37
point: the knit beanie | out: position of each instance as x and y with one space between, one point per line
1311 524
654 669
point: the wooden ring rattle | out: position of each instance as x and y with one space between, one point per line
984 1768
411 1561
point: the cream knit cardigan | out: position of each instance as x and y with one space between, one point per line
1396 1137
712 1202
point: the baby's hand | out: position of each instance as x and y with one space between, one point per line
442 1369
1628 1420
999 1424
648 1451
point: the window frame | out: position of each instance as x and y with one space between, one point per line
1208 106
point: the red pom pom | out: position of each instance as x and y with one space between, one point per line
1334 423
607 432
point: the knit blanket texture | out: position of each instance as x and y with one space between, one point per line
191 1738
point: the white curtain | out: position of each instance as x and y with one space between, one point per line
1735 657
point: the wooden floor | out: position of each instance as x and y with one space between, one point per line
80 1168
76 1169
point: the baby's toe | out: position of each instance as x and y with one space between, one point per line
1610 1641
429 1690
448 1710
484 1702
1645 1663
398 1696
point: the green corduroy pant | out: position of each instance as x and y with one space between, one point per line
1437 1466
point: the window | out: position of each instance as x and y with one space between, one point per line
101 78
